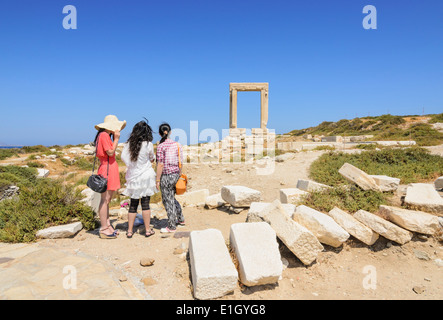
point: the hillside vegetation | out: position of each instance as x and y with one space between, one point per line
383 128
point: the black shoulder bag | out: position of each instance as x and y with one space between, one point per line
97 182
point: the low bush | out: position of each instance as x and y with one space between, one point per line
41 203
348 199
410 165
8 153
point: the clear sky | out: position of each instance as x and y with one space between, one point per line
173 61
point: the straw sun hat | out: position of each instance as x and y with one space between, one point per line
111 123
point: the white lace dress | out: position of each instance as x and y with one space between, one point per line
140 176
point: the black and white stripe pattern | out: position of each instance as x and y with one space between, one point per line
172 206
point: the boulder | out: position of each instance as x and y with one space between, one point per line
92 199
63 231
215 201
239 196
354 227
359 177
416 221
424 197
256 248
42 173
439 183
386 183
310 186
299 240
212 270
257 210
291 195
322 226
383 227
193 198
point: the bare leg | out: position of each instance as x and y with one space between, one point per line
104 213
131 220
147 220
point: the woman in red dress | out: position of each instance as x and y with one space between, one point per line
108 168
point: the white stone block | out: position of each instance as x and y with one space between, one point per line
383 227
92 199
310 186
257 210
299 240
354 227
411 220
213 272
386 183
424 197
239 196
215 201
63 231
42 173
291 195
193 197
322 226
256 248
359 177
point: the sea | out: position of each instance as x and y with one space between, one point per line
11 147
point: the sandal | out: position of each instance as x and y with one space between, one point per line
116 232
107 236
129 234
151 233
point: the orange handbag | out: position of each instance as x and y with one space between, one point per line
182 182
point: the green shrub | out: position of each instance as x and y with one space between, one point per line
436 118
348 199
410 165
35 149
34 164
46 203
8 153
14 174
85 163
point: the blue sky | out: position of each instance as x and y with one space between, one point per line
173 61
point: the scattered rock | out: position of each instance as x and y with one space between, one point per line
422 255
439 183
416 221
215 201
419 289
311 186
239 196
291 195
42 173
359 177
322 226
63 231
386 183
146 262
424 197
256 248
353 226
383 227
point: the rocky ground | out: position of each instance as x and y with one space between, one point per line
355 271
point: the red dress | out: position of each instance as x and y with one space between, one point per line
104 144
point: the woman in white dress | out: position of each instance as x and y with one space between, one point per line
138 155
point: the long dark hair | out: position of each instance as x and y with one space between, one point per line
141 132
164 131
96 136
